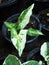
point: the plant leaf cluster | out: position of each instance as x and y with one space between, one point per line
19 38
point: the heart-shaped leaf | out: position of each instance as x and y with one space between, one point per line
24 17
19 40
12 60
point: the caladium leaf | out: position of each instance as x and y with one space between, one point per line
12 60
44 51
34 32
19 40
10 25
24 17
22 35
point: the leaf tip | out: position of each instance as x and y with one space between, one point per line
32 5
42 33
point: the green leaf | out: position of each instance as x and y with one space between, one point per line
32 62
22 43
34 32
44 51
10 25
19 40
24 17
11 60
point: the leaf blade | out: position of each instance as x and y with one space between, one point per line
24 17
11 60
34 32
32 62
44 51
18 40
10 25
